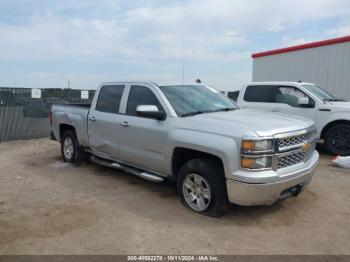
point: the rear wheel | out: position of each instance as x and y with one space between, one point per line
337 140
70 149
201 185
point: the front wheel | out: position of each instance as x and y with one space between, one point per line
337 140
201 185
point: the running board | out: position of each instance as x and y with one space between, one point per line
134 171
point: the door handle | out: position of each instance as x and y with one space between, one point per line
125 124
276 109
92 118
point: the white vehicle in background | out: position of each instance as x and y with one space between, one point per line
331 114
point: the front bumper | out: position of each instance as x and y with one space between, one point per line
250 194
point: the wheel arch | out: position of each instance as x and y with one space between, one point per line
332 124
181 155
64 128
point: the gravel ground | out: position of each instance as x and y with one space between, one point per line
48 207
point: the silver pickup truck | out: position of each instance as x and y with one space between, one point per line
194 135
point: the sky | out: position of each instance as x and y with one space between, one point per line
45 44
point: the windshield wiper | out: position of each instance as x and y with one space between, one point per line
224 109
193 113
208 111
334 100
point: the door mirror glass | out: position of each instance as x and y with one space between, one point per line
150 111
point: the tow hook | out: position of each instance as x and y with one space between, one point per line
292 191
295 191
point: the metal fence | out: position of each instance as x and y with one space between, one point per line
24 111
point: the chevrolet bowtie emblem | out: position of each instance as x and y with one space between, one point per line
306 146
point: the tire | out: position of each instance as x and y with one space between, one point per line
207 194
337 140
71 151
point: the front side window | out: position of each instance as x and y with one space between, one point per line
109 98
196 99
141 95
289 95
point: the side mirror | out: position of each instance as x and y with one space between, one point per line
150 111
304 101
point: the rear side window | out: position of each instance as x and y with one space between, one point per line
109 98
264 94
141 95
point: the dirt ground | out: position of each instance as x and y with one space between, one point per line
48 207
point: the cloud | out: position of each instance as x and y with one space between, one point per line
196 30
153 38
338 32
288 41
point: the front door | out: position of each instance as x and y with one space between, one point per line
279 100
142 139
287 102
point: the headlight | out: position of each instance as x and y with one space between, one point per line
257 146
258 162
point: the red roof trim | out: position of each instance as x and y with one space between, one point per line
303 46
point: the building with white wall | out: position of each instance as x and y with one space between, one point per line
326 63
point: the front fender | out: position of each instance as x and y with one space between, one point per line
226 148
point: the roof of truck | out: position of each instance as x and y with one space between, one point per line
280 83
150 82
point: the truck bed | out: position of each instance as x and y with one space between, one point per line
75 115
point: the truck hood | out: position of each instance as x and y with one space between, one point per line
246 122
339 106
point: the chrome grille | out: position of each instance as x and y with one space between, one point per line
289 142
296 157
290 160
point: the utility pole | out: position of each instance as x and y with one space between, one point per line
183 72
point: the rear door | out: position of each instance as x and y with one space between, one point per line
142 139
258 97
104 122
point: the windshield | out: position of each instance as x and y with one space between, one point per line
320 93
196 99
